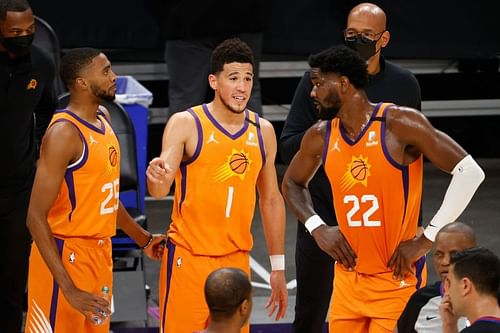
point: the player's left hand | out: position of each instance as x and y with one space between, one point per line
157 246
279 295
407 253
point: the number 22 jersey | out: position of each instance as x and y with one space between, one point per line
376 199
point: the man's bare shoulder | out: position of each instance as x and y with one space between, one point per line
61 130
403 116
319 128
183 120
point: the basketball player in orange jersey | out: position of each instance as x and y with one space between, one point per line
218 154
74 206
372 155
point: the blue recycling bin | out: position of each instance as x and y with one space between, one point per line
136 99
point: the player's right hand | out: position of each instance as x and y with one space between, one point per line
91 306
448 317
157 171
157 247
331 241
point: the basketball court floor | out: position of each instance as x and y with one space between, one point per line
483 214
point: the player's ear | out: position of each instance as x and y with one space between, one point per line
466 285
344 83
81 83
245 308
212 81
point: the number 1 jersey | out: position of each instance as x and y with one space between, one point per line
215 189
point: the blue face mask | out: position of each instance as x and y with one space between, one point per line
19 45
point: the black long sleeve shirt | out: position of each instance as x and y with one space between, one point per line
391 84
27 103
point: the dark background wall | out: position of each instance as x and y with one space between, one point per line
420 29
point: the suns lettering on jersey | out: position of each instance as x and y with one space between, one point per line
237 164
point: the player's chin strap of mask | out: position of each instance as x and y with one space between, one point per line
467 176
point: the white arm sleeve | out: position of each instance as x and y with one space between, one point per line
467 176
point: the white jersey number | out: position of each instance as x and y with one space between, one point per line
367 222
229 203
109 206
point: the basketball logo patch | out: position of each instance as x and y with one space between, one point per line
237 164
358 171
112 155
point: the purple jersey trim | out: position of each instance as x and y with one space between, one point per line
222 129
170 262
183 170
55 289
363 131
419 267
261 139
327 140
68 176
199 144
101 130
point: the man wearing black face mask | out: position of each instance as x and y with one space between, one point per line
26 81
367 33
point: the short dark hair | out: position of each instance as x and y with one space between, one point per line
230 50
12 6
344 61
481 266
74 61
225 290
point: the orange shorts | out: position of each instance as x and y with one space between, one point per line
363 303
181 287
90 266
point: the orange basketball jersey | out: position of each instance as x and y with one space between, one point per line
215 189
376 199
87 202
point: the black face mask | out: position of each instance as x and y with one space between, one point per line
19 45
364 46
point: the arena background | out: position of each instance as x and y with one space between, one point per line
452 47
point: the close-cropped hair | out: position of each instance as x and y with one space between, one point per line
225 290
74 61
230 50
12 6
343 61
481 266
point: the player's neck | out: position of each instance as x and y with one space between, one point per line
230 327
356 113
230 120
85 109
483 307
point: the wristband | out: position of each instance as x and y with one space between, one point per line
313 223
277 262
150 240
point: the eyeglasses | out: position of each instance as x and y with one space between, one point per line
371 35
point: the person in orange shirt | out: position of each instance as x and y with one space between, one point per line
218 154
372 155
74 206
